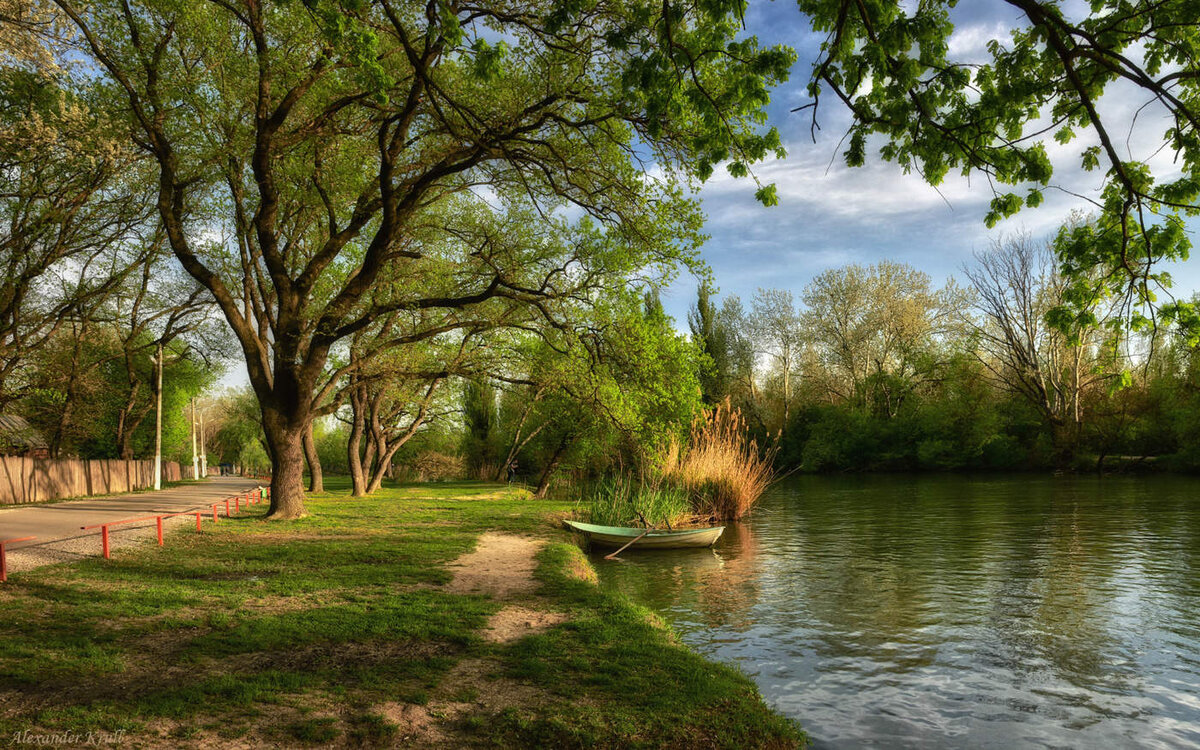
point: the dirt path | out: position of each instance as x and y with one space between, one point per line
501 566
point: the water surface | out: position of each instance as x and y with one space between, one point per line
954 612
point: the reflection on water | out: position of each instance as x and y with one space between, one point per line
954 612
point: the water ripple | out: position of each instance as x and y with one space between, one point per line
952 612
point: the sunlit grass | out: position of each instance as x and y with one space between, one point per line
625 501
239 631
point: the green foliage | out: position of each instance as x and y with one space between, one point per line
891 62
78 385
630 381
711 334
479 415
331 446
234 424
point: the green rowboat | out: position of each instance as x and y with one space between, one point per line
619 536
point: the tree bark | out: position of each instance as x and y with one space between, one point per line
381 469
551 467
358 479
316 478
286 439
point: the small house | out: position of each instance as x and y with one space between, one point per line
19 438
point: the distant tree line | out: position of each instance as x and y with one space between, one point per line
873 368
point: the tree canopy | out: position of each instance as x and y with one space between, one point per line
890 63
323 163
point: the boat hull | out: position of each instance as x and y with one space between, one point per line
615 536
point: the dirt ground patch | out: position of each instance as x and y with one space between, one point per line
514 623
472 687
501 565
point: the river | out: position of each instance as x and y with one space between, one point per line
950 611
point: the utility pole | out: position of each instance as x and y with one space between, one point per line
195 456
203 450
158 423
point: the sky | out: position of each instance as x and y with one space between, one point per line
830 215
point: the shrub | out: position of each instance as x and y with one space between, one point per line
722 468
487 471
433 466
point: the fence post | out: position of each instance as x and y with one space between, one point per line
227 507
4 555
158 523
214 510
197 520
237 504
104 541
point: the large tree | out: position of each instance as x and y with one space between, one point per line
1052 368
880 330
302 149
1055 76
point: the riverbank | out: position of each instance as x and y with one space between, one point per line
444 615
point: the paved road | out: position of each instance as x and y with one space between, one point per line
59 537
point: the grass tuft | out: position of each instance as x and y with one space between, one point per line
624 501
315 731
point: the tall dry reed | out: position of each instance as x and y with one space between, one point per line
722 468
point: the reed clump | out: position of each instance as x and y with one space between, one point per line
626 501
722 469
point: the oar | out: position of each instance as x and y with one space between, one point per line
649 528
627 544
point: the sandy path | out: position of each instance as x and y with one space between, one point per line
502 566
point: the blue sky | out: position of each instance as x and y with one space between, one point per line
830 215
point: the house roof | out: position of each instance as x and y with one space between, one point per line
18 435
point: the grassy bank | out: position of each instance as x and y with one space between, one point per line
338 629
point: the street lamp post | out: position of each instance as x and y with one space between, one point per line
203 450
195 456
158 422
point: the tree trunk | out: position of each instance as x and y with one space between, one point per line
514 449
368 462
517 443
286 440
124 429
551 467
358 479
382 468
316 478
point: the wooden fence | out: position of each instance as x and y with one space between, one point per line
32 480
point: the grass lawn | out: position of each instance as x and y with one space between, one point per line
336 629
